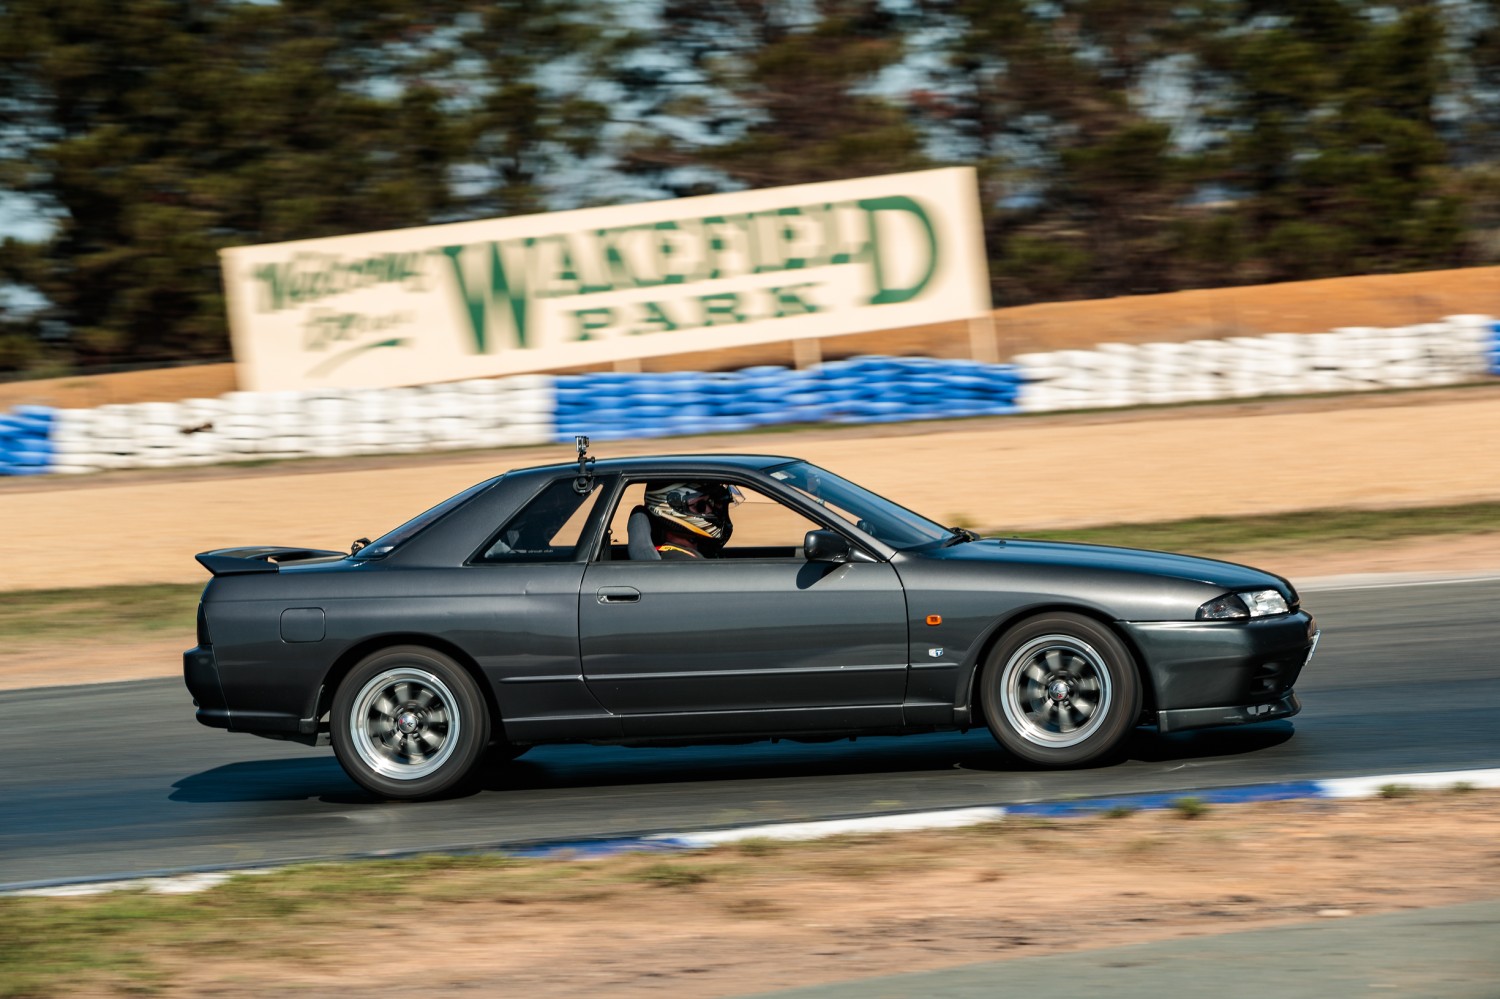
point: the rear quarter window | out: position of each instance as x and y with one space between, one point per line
550 528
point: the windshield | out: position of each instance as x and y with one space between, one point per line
389 542
875 515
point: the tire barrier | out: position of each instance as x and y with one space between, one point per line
536 409
26 440
616 406
252 426
1346 360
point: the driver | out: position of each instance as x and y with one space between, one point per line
690 519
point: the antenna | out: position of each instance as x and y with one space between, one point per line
585 481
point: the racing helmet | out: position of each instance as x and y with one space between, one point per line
701 508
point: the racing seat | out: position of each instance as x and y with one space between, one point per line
638 537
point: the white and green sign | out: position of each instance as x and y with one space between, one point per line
538 292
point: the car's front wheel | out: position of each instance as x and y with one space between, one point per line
408 722
1060 690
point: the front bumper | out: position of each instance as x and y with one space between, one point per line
1208 673
1185 718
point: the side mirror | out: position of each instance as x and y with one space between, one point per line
825 546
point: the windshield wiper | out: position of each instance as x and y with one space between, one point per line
960 535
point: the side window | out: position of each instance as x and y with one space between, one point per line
761 522
762 527
548 529
633 496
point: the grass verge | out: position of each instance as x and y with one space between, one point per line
467 919
1307 531
118 613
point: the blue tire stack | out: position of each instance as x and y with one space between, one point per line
617 405
1494 351
25 447
897 389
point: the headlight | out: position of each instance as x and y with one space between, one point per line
1264 602
1235 606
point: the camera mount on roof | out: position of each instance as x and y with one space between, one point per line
585 481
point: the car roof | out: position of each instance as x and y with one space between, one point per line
672 463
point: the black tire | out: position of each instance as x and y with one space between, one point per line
408 723
1060 690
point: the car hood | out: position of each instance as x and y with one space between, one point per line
1015 551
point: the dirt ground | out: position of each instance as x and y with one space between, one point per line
1007 474
764 917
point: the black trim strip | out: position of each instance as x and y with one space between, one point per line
569 678
723 673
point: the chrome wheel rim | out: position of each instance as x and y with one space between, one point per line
1055 691
404 723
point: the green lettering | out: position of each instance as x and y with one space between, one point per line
505 290
410 267
713 245
614 261
565 281
789 234
721 309
746 226
617 258
831 252
324 328
589 320
789 301
665 248
275 282
897 203
648 252
308 277
765 241
595 269
656 320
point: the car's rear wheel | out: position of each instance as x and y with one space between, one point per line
1060 690
408 722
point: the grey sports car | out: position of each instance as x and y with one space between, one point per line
724 598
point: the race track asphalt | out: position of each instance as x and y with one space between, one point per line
118 779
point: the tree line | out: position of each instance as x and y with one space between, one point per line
1123 146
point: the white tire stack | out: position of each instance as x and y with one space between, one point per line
529 407
75 447
201 430
1348 359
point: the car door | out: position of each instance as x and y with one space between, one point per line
759 637
518 616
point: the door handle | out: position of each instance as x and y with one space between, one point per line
619 595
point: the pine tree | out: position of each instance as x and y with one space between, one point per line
1330 143
781 93
163 131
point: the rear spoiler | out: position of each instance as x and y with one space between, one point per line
240 561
